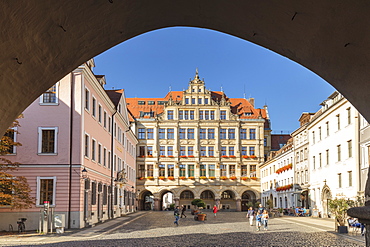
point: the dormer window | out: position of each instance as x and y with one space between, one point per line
206 101
140 102
247 114
151 102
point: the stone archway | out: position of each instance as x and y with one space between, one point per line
329 39
209 198
146 201
186 197
249 199
228 200
325 197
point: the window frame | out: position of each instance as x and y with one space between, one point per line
38 194
39 146
56 93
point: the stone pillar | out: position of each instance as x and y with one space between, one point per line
157 204
217 202
238 205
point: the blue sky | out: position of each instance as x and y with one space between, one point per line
148 65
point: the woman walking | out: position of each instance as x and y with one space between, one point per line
215 210
265 217
250 215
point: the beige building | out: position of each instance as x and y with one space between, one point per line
198 143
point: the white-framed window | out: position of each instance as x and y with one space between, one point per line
100 115
50 97
99 154
93 106
86 145
47 140
12 135
93 149
87 99
46 189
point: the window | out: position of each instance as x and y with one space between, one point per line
206 115
349 178
211 170
222 115
339 153
181 115
206 101
162 151
313 137
182 151
339 180
199 101
327 128
202 171
223 151
202 134
50 96
223 170
186 115
170 134
170 115
105 157
170 151
93 149
141 151
348 115
141 133
149 150
190 170
7 145
252 134
99 114
203 151
170 170
231 151
313 162
338 121
212 115
109 125
161 170
327 157
320 161
231 133
46 190
87 99
151 102
244 170
94 107
161 102
87 141
222 134
140 102
252 151
191 134
231 170
244 151
211 134
243 134
99 154
186 101
192 101
349 148
47 140
190 151
150 171
182 169
162 134
150 134
201 115
182 133
211 152
105 120
319 133
191 115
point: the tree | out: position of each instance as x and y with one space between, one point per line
339 207
14 190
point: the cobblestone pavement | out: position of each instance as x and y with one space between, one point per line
227 229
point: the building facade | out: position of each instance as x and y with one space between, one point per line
199 144
333 153
77 153
277 178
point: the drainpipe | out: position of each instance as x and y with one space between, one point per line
112 166
70 150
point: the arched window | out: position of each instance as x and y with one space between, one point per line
207 194
187 194
227 195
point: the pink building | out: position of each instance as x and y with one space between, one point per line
78 153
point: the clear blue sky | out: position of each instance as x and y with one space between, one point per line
148 65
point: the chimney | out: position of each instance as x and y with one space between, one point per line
251 100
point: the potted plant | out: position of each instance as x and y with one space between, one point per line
199 204
338 207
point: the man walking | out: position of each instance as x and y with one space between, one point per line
176 213
183 209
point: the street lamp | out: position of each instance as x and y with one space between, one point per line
84 173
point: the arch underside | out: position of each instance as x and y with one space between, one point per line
42 41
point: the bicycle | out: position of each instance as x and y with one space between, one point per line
21 225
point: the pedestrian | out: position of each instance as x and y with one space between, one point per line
258 221
265 217
183 209
215 210
250 215
260 209
176 213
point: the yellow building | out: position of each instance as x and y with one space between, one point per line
199 144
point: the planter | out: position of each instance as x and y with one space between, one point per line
342 229
201 217
193 212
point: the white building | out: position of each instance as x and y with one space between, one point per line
333 152
277 178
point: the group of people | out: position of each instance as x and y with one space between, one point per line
261 216
300 211
177 214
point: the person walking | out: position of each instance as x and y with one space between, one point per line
260 209
215 210
183 209
176 213
265 217
250 215
258 221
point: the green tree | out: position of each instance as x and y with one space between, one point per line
339 207
14 190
